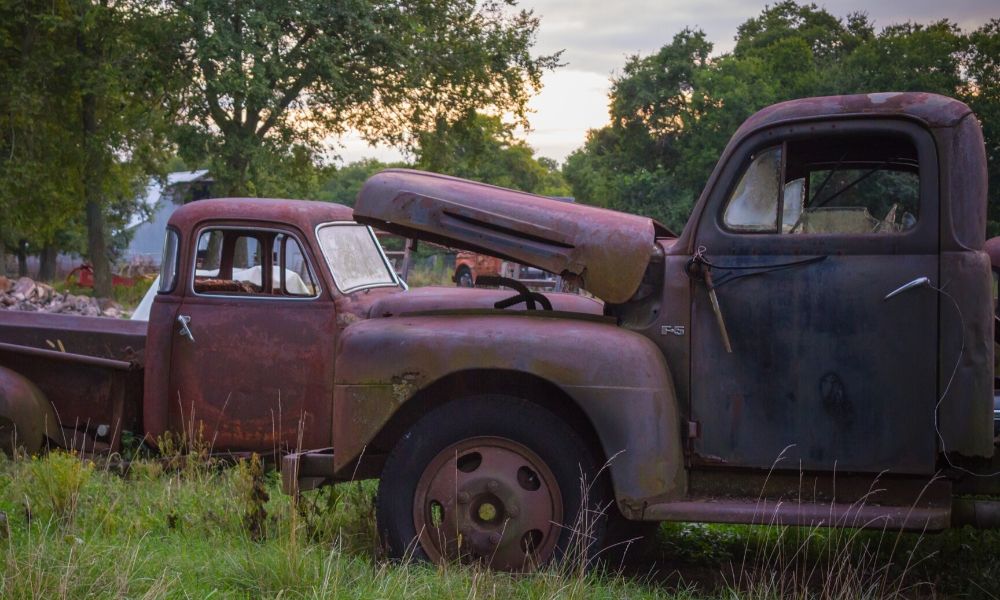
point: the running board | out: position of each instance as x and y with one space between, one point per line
771 512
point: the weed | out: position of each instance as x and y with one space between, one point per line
253 496
51 485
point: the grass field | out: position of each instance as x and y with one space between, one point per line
74 529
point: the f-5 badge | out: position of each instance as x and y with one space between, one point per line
672 330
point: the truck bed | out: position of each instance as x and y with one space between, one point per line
90 368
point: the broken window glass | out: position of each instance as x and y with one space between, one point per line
753 206
856 185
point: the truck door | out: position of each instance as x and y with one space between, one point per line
806 233
252 352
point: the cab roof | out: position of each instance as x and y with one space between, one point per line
933 110
303 214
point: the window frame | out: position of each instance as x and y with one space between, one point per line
275 230
385 259
921 239
782 148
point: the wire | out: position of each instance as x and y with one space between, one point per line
699 257
958 361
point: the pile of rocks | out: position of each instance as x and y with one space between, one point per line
28 295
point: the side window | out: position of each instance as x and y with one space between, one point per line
855 185
235 262
169 262
754 203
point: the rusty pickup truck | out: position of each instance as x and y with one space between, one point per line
814 348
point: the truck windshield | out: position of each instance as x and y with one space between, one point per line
354 257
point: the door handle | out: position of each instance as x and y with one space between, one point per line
918 282
185 331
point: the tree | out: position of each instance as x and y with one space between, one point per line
269 76
983 95
484 148
343 184
672 113
85 115
38 196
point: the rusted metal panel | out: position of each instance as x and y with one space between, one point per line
258 373
119 339
965 355
934 110
89 368
798 514
823 371
621 384
962 156
605 250
992 249
26 417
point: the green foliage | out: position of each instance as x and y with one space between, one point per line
672 112
269 79
51 485
162 533
982 60
343 184
484 148
83 114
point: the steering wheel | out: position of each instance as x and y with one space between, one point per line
523 293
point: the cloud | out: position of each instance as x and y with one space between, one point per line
597 36
571 102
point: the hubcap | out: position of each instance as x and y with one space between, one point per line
488 499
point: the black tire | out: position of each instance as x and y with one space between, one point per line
463 277
563 450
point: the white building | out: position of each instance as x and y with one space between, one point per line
162 199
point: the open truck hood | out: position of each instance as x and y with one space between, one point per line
606 251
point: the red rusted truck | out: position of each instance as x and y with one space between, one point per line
815 348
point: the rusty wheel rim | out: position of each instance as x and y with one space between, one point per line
491 500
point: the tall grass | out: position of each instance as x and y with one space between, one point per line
75 529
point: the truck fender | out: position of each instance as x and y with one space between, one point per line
26 415
617 378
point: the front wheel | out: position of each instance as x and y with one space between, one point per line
492 479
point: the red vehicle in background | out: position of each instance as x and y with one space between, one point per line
469 266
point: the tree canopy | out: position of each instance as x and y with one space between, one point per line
273 80
484 148
672 112
83 111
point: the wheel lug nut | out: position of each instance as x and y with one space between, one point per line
463 497
513 510
493 485
494 538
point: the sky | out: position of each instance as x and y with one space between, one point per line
597 36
